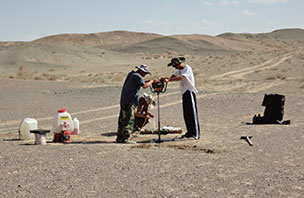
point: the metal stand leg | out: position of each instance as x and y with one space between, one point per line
158 115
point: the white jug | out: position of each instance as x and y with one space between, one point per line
76 130
26 125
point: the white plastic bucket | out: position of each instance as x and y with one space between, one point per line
26 125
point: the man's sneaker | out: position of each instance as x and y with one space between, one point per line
130 142
185 137
127 141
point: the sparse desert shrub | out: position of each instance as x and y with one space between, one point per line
117 76
302 84
257 71
50 77
275 77
288 61
22 74
170 52
156 56
37 78
21 71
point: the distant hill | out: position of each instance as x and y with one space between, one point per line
169 44
138 42
282 35
102 40
195 44
114 49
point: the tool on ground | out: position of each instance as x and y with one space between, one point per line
64 126
247 138
164 130
159 87
40 136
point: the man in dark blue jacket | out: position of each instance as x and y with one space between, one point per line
129 100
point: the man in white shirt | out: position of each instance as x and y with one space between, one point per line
184 75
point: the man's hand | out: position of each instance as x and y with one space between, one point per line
165 79
148 84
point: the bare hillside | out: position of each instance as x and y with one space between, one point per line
283 35
102 40
105 57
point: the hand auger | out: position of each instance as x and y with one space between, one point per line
159 87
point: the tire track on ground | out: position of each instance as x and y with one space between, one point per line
237 76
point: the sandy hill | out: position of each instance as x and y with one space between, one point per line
102 40
172 44
65 55
283 35
191 45
108 48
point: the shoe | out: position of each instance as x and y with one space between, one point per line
126 141
129 142
186 137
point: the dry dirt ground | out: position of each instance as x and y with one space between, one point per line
219 164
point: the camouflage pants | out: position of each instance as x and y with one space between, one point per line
125 122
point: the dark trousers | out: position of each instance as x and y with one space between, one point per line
191 115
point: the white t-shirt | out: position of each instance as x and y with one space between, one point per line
187 83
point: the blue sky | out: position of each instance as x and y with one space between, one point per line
26 20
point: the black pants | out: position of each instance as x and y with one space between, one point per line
190 115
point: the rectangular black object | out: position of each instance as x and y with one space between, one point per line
273 100
39 131
274 110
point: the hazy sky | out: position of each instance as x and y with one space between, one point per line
25 20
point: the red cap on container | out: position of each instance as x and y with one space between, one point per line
61 110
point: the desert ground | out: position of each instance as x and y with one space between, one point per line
85 73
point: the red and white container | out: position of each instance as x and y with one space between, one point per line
62 121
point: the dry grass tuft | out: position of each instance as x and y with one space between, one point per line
22 74
276 77
302 84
